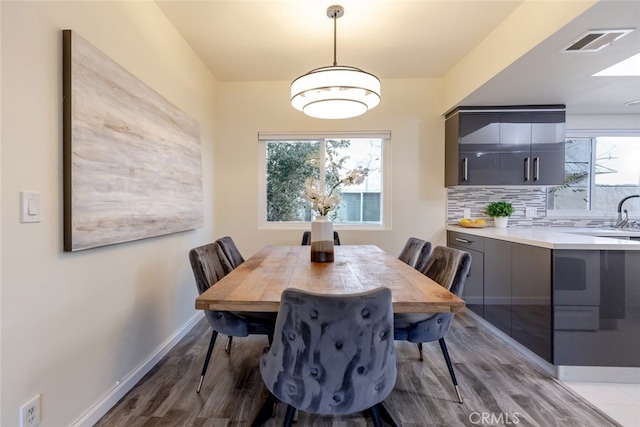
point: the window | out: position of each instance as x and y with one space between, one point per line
599 172
289 160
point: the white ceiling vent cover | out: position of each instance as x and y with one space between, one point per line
594 40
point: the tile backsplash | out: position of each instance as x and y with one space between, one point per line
476 200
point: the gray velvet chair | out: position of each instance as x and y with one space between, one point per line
209 265
332 354
306 238
423 257
411 250
231 251
449 267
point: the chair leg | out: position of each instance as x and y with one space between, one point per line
288 417
385 415
420 351
227 349
375 416
266 411
214 335
445 353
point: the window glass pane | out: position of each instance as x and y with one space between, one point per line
575 191
350 208
599 172
617 173
289 164
371 207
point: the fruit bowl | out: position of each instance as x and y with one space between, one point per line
472 223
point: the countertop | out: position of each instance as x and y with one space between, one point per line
558 237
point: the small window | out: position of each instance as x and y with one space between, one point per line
289 161
599 172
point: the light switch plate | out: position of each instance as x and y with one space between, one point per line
29 207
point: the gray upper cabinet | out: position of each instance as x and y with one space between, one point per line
505 145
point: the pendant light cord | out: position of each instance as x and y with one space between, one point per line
335 26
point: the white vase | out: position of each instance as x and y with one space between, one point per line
501 221
321 240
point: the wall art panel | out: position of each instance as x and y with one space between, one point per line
132 160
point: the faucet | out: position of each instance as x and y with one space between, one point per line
622 222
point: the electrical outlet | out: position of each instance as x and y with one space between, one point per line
30 413
466 213
531 212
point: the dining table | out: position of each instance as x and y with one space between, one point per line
257 284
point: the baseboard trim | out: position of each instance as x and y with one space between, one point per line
109 400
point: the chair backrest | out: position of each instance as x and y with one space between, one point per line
231 251
449 267
209 265
332 354
306 238
423 257
412 248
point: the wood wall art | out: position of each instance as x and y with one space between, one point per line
132 160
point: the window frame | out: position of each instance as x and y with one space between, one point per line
385 196
589 214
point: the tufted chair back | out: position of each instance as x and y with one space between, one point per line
209 264
332 354
230 251
410 251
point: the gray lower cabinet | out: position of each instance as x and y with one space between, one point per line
596 308
571 307
516 288
473 293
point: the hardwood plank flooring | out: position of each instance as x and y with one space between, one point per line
496 383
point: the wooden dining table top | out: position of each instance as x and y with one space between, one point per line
258 283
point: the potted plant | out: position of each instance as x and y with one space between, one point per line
500 212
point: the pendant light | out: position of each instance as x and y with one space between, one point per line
337 91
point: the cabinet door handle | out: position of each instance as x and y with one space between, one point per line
465 169
526 169
463 240
536 168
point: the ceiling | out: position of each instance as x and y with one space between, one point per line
280 40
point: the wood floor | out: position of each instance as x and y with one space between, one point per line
499 387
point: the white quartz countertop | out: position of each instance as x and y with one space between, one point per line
556 237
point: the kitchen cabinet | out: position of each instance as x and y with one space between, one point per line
515 285
505 145
473 293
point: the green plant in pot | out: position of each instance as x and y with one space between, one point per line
500 212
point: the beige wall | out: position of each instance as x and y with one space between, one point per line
409 109
75 324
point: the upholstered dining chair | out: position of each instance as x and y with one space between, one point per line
231 251
332 354
306 238
209 265
423 257
449 267
410 251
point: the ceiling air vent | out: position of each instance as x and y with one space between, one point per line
594 40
